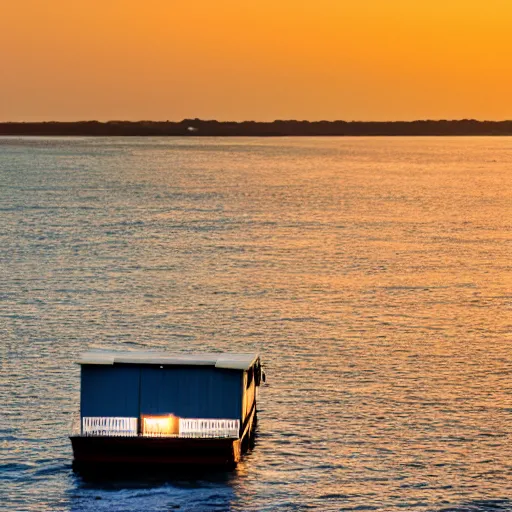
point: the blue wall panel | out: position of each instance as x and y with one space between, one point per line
110 390
186 391
191 392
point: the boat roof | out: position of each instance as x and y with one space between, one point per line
234 361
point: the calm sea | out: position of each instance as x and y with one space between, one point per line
373 275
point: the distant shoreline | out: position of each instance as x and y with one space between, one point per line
198 127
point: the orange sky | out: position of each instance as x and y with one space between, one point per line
262 60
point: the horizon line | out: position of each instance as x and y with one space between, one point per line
205 120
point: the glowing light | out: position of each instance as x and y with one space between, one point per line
167 425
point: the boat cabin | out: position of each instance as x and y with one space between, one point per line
160 407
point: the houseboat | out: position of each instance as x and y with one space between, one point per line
165 410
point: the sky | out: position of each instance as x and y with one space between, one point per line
255 60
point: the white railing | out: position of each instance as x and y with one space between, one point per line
104 426
196 427
188 427
160 426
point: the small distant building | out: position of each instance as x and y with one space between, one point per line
165 409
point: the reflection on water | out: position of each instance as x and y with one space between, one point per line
373 275
212 491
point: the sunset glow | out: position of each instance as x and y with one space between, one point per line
264 60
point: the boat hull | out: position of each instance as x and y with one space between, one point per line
154 452
105 453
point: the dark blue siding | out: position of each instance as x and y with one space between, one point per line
110 391
191 392
186 391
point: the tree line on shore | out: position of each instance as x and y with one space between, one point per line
198 127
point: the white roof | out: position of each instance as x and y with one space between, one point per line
219 360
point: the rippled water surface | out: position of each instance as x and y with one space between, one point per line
372 274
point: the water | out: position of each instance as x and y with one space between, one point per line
372 274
